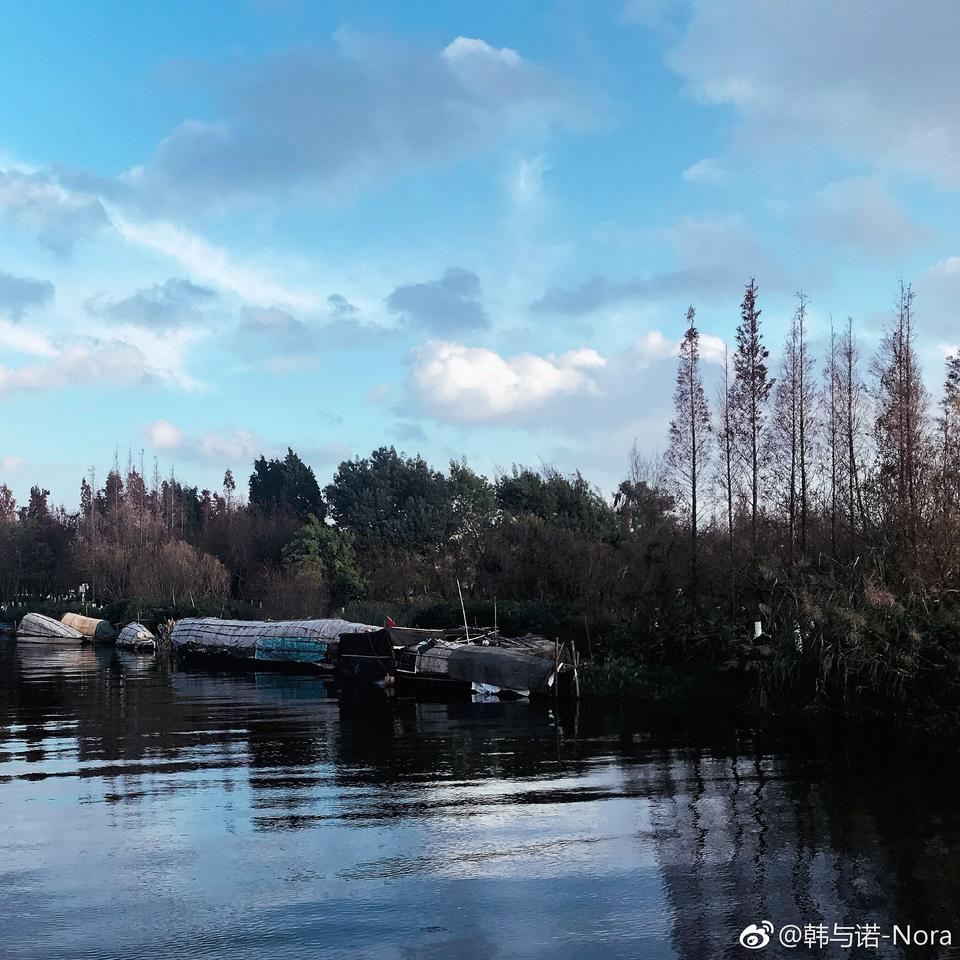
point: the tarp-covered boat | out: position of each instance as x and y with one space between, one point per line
527 666
303 643
135 636
37 628
99 631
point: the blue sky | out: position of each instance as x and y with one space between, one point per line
464 229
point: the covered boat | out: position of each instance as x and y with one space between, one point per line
135 636
37 628
97 631
491 665
282 643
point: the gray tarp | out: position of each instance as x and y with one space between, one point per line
38 626
497 666
240 637
135 636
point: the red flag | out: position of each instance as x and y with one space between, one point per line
390 622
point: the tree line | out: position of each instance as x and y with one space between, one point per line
833 460
819 496
389 529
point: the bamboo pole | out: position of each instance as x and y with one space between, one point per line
463 609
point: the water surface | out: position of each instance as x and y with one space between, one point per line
147 811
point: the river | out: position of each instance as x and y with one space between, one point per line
151 812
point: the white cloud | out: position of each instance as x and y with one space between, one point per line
466 49
232 445
708 170
206 262
26 340
61 214
653 346
712 349
59 217
163 435
581 394
714 257
526 183
473 384
166 352
656 14
380 394
20 294
860 213
872 79
227 446
321 120
81 363
938 293
162 307
10 464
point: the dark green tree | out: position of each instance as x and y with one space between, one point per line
329 553
393 500
568 502
288 487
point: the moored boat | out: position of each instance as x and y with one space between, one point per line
491 670
135 636
38 628
489 665
303 644
94 629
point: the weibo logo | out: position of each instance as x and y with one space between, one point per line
756 937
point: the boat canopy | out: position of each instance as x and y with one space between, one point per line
39 625
90 627
245 637
135 636
503 667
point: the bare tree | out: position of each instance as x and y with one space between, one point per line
726 444
852 402
688 454
900 427
786 435
806 414
948 425
833 389
751 394
795 426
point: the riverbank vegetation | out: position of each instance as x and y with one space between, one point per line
819 497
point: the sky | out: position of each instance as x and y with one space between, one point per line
464 229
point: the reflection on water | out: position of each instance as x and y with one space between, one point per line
152 812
